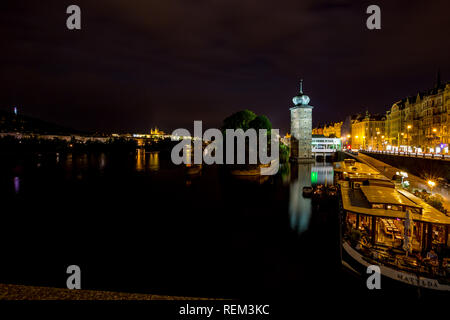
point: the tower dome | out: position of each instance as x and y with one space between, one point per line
301 99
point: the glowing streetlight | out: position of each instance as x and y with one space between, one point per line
431 183
403 175
409 128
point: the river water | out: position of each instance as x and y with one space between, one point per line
141 224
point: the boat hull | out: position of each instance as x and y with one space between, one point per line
357 263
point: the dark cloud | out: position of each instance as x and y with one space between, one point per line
137 64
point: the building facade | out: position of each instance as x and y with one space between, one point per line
368 132
332 130
421 123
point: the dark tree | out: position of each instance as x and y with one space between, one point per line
261 122
239 120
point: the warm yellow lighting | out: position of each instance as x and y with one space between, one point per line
431 183
409 126
356 137
382 137
403 134
348 136
434 130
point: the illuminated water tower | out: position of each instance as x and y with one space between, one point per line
301 128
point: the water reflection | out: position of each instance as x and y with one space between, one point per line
302 175
140 160
83 162
153 161
102 162
322 173
16 184
299 207
69 160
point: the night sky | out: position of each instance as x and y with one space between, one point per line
140 64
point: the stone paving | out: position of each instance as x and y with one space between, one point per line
21 292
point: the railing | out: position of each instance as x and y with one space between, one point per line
437 156
319 150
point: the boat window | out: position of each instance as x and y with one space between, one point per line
438 234
377 206
351 220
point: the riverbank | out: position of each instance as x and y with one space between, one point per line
21 292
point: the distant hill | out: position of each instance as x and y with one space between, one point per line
10 122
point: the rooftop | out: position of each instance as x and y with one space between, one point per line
378 194
354 201
354 167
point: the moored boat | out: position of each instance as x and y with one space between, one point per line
390 227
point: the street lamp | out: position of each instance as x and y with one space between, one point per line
409 128
398 140
404 175
376 138
434 137
432 184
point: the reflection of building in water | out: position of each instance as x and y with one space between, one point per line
153 161
322 173
299 207
16 184
140 160
102 162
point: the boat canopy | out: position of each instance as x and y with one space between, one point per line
354 200
376 194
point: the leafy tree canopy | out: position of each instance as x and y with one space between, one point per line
239 120
261 122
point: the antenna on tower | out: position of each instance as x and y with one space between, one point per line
301 86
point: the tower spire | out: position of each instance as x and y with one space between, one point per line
301 86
